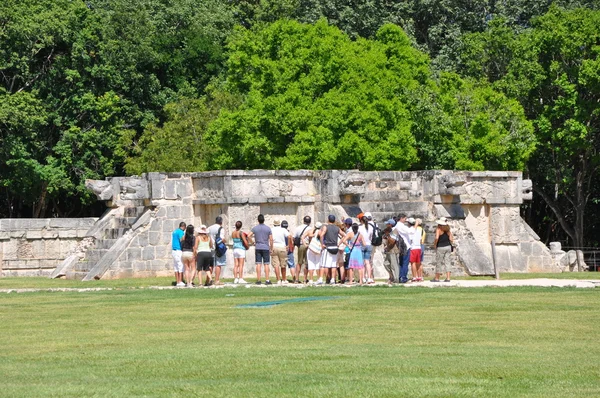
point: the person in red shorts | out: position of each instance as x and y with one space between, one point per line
415 251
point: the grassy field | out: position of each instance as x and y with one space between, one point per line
377 341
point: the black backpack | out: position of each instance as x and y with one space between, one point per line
402 248
298 239
377 237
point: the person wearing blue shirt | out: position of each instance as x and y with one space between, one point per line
176 238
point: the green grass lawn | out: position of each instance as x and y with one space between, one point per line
378 342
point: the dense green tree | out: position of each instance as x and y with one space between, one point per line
553 69
90 74
315 99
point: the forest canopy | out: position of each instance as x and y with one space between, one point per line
100 88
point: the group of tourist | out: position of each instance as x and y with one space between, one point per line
334 252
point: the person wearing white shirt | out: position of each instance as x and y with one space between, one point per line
280 246
404 232
366 231
415 250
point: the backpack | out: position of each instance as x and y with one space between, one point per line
220 248
402 248
298 239
377 237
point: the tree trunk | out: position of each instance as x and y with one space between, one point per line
40 208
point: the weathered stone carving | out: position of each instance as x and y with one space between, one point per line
101 188
527 193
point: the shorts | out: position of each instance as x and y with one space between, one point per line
340 258
262 256
314 260
415 255
279 257
366 251
187 255
328 260
302 262
204 260
290 260
239 253
221 261
177 263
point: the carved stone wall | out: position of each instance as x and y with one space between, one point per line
482 208
34 247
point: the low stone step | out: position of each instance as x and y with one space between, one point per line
105 244
77 275
94 255
124 222
114 233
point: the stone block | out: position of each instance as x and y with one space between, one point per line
161 212
88 222
184 188
134 253
67 233
49 234
40 223
156 225
52 249
142 240
18 234
159 265
170 189
38 248
148 253
64 223
257 199
276 199
5 224
404 185
187 212
4 235
166 239
154 238
474 259
35 234
139 265
17 224
167 226
163 251
451 210
526 248
157 189
174 212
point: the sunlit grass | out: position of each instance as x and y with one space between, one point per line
368 342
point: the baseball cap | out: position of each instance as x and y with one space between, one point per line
391 222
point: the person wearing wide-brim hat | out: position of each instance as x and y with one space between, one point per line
204 257
443 248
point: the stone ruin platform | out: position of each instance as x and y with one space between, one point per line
132 239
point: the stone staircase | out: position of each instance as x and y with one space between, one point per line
105 238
